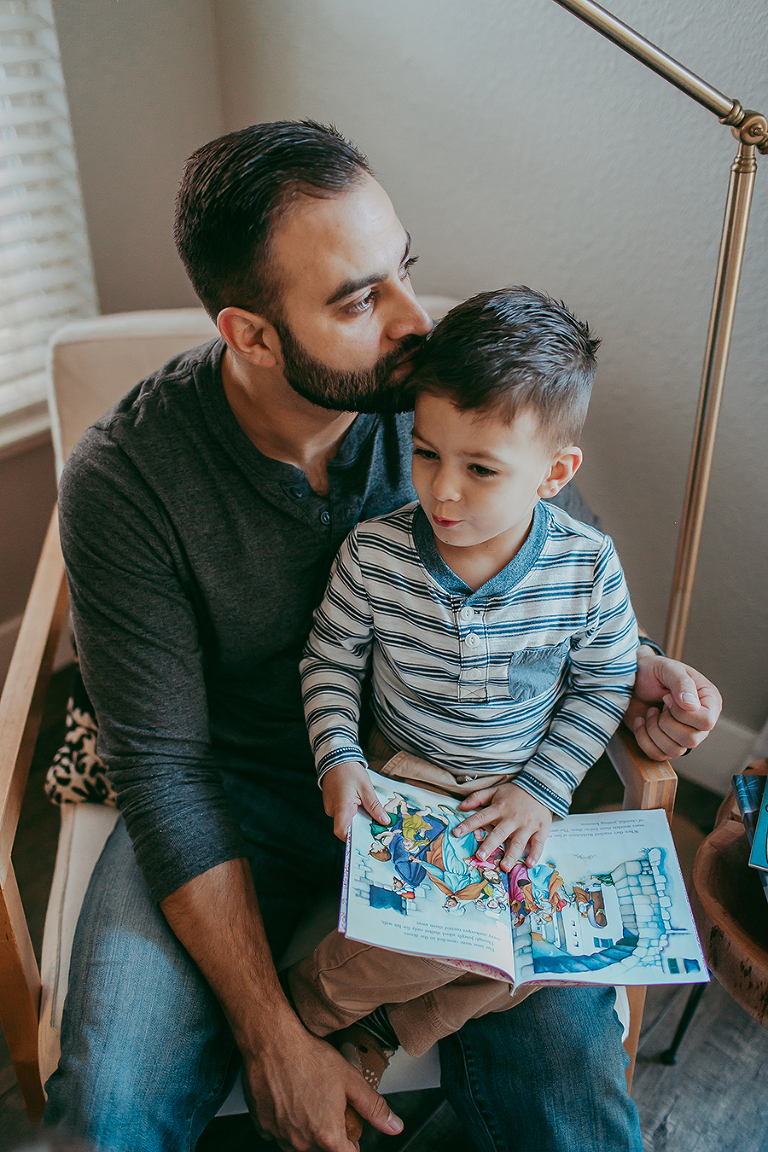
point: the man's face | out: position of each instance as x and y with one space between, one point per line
476 476
349 320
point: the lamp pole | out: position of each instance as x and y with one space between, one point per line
751 130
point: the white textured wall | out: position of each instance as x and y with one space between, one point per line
519 146
143 94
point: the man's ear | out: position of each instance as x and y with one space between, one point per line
563 467
251 336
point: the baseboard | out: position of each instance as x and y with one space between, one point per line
727 749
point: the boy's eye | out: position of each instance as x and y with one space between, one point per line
479 470
425 453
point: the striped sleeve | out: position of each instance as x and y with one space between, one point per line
334 663
603 664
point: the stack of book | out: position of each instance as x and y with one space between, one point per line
752 798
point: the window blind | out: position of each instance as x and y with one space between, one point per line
46 276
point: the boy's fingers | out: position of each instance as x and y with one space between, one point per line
475 799
476 820
372 805
495 838
536 847
343 818
515 849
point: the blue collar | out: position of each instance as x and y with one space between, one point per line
503 582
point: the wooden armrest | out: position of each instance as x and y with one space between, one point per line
647 783
21 704
21 708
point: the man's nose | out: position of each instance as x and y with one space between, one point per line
408 317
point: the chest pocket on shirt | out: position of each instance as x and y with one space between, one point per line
534 670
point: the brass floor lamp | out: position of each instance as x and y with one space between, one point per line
751 130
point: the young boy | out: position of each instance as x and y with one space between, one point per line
501 637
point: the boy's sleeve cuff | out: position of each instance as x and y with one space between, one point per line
541 792
353 753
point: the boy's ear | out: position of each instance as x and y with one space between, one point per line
563 467
251 336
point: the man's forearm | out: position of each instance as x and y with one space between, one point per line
216 917
299 1090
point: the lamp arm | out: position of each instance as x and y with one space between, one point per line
748 127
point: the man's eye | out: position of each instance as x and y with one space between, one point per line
425 453
480 471
360 306
407 265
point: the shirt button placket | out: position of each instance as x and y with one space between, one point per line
472 677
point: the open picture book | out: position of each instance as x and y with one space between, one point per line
606 904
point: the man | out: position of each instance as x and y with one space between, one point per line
199 520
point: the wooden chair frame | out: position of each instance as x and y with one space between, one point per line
647 784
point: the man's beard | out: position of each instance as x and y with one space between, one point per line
371 390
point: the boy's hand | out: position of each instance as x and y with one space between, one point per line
345 788
516 818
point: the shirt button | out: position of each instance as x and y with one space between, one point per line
467 614
296 493
471 640
325 517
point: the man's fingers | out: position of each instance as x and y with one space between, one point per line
653 741
683 689
645 743
372 1107
671 723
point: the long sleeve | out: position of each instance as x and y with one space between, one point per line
141 659
603 664
335 661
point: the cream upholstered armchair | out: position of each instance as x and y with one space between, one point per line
92 364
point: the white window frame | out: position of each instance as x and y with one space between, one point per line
46 271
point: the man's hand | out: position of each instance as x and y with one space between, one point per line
345 788
517 820
298 1090
687 706
297 1087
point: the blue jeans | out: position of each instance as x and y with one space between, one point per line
147 1057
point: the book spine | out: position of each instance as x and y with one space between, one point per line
748 790
345 886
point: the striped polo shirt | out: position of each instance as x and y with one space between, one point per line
530 674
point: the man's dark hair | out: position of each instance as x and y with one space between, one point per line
512 350
235 189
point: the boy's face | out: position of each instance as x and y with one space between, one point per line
478 478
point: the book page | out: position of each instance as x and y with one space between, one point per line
413 887
605 905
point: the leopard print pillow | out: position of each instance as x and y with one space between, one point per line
77 775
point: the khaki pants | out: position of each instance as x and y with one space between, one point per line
343 980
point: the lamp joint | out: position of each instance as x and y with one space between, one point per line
752 129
